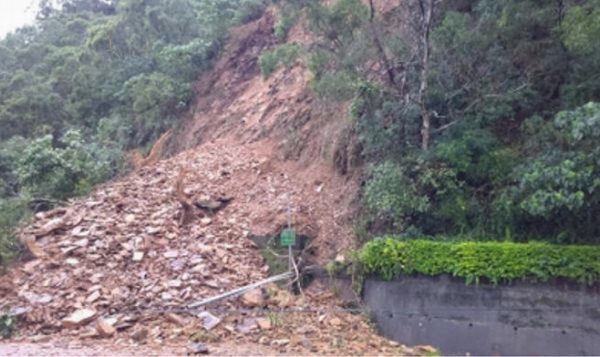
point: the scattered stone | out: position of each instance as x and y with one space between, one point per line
40 338
171 254
281 342
264 323
90 332
305 342
79 318
209 321
80 232
72 261
174 283
206 221
253 298
140 335
105 328
176 319
82 243
93 297
197 348
138 256
335 321
247 326
280 297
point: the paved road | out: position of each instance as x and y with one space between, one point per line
101 348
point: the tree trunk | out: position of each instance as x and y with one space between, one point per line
426 13
380 50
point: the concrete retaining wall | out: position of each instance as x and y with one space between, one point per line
517 319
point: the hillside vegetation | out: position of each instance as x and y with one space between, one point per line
476 119
92 79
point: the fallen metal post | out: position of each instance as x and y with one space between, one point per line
239 291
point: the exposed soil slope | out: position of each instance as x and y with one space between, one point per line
292 133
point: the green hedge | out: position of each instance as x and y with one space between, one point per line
494 261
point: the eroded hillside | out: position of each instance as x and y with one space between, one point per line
122 264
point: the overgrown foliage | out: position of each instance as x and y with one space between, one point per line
509 99
495 262
282 55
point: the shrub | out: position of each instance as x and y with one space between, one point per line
284 55
493 261
12 212
283 26
8 325
408 193
66 171
249 10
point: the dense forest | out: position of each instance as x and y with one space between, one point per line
476 118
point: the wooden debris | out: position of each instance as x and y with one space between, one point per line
187 213
138 161
30 242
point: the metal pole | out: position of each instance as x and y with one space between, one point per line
290 262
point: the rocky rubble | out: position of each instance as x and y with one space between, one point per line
121 251
120 264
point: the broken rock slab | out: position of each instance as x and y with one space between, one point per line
264 323
79 318
197 349
209 321
105 328
176 319
138 256
253 298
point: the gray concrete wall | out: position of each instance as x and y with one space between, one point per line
517 319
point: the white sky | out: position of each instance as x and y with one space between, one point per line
16 13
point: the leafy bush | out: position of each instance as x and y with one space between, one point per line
8 325
62 172
249 10
12 212
283 25
557 189
284 55
493 261
408 193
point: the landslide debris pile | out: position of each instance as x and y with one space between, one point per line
120 263
123 248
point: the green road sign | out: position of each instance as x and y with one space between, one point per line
288 237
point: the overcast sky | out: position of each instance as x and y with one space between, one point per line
15 13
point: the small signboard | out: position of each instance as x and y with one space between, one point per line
288 237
